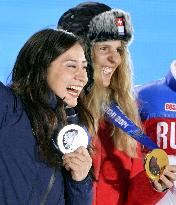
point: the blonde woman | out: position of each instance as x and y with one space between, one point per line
120 178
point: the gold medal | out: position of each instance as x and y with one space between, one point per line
155 163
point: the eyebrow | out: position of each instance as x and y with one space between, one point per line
75 61
104 44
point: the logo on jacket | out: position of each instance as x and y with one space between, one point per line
170 107
166 132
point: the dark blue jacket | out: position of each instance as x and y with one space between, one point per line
24 179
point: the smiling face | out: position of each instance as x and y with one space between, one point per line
67 75
106 58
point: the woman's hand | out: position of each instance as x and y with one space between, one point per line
78 162
166 179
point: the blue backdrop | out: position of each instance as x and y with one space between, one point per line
153 48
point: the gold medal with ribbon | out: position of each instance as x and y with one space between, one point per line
157 159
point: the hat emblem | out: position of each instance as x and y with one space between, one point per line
120 26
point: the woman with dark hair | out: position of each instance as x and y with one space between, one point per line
47 80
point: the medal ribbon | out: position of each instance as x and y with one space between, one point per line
116 116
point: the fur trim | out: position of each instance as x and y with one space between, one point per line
105 27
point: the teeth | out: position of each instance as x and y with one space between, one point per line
107 70
78 88
73 93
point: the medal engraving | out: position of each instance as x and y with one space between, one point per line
153 166
71 137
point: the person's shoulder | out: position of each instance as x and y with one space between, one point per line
151 86
4 90
6 95
11 105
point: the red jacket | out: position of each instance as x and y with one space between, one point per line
120 180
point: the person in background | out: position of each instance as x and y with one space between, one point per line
157 105
120 176
48 76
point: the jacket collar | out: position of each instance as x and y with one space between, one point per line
52 100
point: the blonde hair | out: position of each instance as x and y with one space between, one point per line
119 91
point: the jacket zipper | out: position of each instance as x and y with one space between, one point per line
50 185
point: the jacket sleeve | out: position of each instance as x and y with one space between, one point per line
16 162
78 193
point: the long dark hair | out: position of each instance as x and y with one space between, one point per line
29 81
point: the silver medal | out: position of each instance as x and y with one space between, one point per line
71 137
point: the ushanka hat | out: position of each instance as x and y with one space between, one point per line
111 25
95 22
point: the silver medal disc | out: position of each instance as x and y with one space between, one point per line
71 137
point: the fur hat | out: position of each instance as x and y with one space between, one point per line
111 25
94 22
